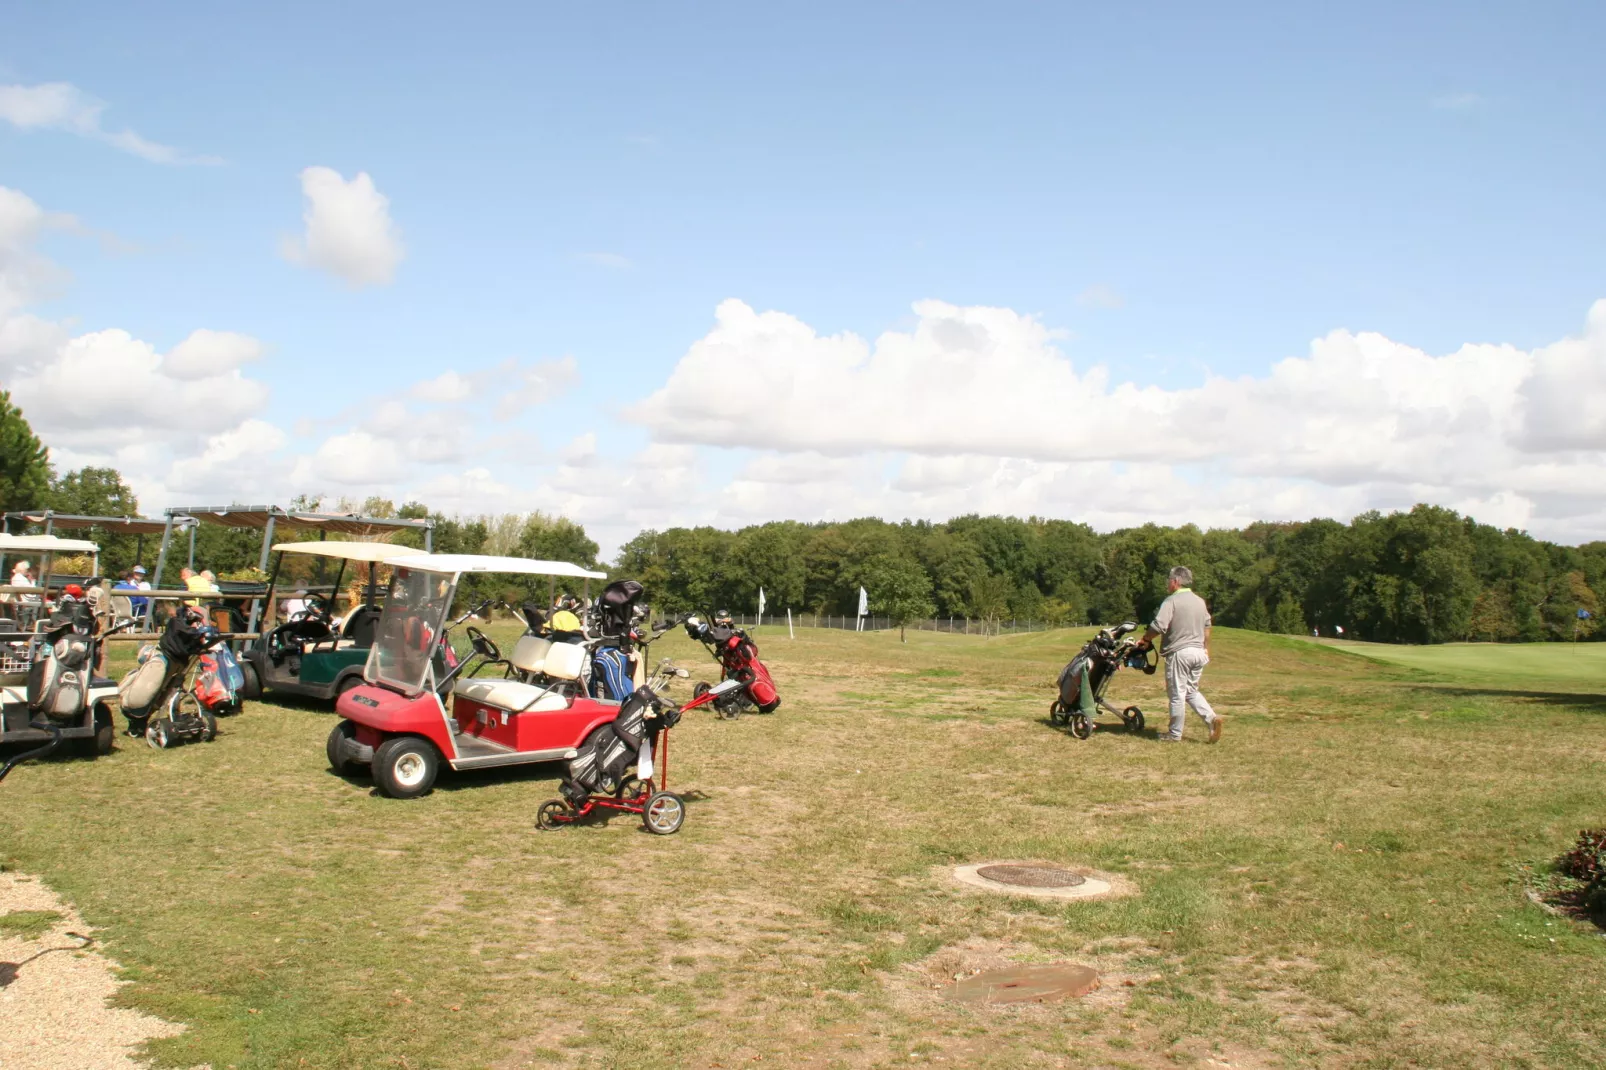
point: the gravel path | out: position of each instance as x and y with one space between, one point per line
54 1015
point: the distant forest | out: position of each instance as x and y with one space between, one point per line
1424 576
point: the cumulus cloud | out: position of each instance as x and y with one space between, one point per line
976 408
207 353
348 229
63 106
25 275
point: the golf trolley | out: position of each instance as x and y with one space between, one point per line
737 655
604 776
181 686
1083 682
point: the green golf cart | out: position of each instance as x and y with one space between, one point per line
304 647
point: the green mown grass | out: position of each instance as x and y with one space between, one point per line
1337 883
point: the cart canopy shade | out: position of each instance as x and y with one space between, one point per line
486 563
348 551
46 544
257 516
113 525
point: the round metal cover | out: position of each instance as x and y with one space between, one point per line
1027 984
1021 876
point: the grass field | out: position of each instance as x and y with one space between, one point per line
1338 883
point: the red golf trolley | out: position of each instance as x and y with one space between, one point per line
419 707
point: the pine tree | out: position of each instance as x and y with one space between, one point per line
1258 619
1288 618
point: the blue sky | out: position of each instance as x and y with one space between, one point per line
1173 192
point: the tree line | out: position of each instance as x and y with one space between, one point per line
1427 575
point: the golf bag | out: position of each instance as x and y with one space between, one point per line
218 684
607 755
1083 681
58 679
140 689
738 657
618 607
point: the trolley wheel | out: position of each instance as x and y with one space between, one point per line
1081 727
664 813
1056 713
159 734
208 726
1133 718
701 689
550 815
628 788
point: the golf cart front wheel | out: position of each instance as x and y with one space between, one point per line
405 767
1081 727
664 813
1133 718
550 816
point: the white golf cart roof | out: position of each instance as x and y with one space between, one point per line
46 544
452 563
349 551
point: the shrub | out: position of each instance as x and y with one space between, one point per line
1586 863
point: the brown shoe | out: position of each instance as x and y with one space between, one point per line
1215 728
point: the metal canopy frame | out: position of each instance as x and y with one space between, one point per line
271 518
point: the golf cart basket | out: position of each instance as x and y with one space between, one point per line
1100 658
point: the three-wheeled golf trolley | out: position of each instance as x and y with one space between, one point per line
1082 683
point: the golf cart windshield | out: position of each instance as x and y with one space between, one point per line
414 614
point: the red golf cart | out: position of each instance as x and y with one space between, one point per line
418 706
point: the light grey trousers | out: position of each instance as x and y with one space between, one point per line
1183 668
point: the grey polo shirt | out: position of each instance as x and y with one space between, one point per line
1182 620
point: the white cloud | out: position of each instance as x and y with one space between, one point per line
975 409
447 387
518 387
62 106
1100 296
25 275
349 231
207 353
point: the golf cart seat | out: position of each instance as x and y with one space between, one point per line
361 626
564 661
529 654
511 695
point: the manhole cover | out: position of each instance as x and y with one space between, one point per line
1021 876
1027 984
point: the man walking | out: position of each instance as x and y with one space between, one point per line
1183 622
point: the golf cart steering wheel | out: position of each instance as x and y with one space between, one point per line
316 610
483 645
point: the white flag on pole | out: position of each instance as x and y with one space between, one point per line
761 605
864 602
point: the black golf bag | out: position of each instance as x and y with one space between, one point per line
617 609
610 751
58 678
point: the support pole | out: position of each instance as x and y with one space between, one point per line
262 566
192 545
156 580
790 634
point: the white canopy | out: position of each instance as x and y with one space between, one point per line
46 544
349 551
487 563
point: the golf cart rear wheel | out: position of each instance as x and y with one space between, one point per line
664 813
1133 718
101 742
338 763
549 817
1081 727
252 686
405 767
